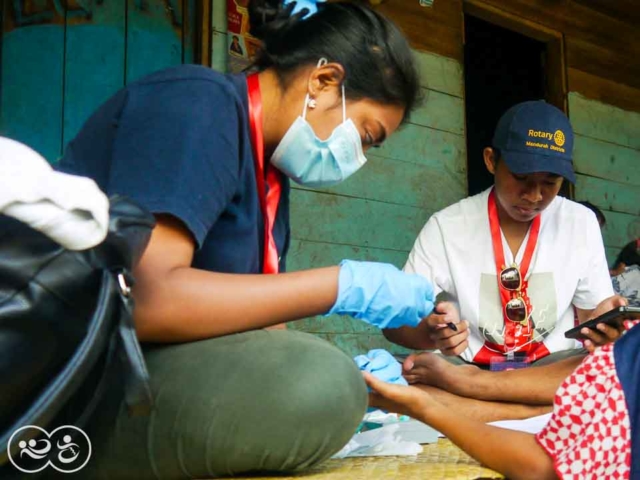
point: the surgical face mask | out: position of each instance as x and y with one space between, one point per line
309 161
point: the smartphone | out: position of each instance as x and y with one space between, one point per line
613 318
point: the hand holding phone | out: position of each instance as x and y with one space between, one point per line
613 318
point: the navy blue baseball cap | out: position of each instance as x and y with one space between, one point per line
536 137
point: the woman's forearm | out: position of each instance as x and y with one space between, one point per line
187 304
517 455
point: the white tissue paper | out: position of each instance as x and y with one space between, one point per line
380 442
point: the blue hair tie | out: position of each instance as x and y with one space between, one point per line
310 5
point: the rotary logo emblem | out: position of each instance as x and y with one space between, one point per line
558 137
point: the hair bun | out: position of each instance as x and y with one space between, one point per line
271 17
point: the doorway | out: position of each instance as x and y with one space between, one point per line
505 63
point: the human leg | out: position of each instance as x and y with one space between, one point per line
256 401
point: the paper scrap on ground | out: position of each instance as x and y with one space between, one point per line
529 425
418 432
380 442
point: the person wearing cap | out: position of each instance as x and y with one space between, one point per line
516 259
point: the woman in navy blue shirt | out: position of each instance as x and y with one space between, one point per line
211 156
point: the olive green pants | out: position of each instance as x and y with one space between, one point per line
261 401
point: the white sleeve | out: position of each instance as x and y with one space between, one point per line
429 258
594 284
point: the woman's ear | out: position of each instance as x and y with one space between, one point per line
490 160
328 77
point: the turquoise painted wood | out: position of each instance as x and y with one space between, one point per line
154 36
32 79
305 254
604 122
425 146
609 195
402 183
607 160
620 229
440 111
598 158
329 218
61 60
189 32
94 63
441 74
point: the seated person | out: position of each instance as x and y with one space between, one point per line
628 256
627 284
521 262
593 431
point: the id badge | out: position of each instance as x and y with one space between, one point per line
500 364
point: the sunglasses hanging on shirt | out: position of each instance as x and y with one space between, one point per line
512 284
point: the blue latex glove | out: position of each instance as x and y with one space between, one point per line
310 5
381 365
382 295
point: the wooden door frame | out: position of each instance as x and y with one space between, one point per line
203 39
556 87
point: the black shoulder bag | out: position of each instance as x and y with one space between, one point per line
66 322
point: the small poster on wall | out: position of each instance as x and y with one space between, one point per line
241 45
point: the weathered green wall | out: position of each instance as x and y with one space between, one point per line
60 60
377 214
607 160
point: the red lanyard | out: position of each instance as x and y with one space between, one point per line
269 198
511 338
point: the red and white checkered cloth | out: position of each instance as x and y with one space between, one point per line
588 435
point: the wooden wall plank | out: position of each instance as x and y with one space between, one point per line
32 79
329 218
439 73
154 36
189 31
620 229
306 254
440 111
441 150
575 20
609 195
624 10
604 90
601 159
436 29
605 61
94 63
402 183
604 122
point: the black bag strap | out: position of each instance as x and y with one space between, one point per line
138 394
114 301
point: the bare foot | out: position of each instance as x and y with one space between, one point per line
431 369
